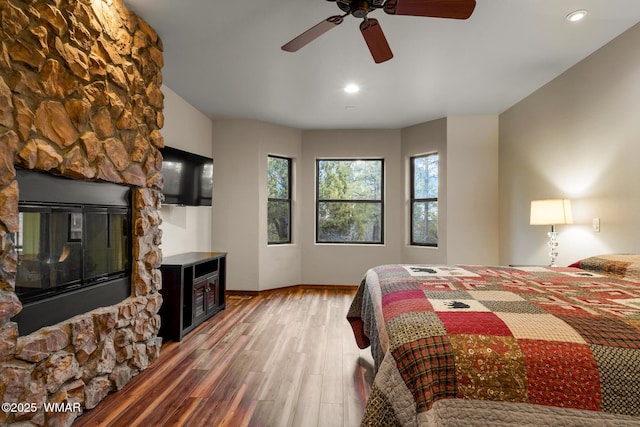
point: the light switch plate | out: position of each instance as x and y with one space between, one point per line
596 225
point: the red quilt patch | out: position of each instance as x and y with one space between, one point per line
562 374
392 307
477 323
403 295
395 308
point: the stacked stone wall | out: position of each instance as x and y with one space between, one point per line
79 97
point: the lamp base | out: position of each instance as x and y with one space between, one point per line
553 245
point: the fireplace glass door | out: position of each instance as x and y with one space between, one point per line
67 247
106 243
49 256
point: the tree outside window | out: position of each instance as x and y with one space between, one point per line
279 203
349 203
424 200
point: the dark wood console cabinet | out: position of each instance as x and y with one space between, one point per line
193 287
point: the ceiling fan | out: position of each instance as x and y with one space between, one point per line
370 28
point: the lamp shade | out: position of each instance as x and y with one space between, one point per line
551 212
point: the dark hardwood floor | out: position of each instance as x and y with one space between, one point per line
284 358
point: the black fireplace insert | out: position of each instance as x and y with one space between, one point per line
73 245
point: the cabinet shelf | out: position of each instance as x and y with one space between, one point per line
193 290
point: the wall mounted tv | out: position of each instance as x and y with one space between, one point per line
188 178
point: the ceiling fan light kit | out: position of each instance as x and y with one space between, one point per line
370 27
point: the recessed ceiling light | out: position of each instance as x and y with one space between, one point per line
352 88
576 15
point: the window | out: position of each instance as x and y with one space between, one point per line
349 201
279 204
424 200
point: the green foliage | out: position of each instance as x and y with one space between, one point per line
279 204
350 201
278 177
425 223
424 207
278 221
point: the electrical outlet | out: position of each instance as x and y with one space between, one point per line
596 225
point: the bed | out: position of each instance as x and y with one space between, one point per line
467 345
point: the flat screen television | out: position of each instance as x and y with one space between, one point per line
188 178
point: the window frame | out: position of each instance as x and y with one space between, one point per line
358 201
288 200
413 200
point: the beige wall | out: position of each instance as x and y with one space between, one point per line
426 138
577 137
472 190
237 221
236 191
345 264
280 265
239 211
186 228
468 189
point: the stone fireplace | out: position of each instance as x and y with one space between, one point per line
80 98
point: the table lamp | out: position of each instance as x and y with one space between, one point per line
551 212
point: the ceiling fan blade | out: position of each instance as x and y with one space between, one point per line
312 33
455 9
375 39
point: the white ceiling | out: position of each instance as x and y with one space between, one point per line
224 58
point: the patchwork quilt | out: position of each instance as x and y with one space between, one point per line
559 337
